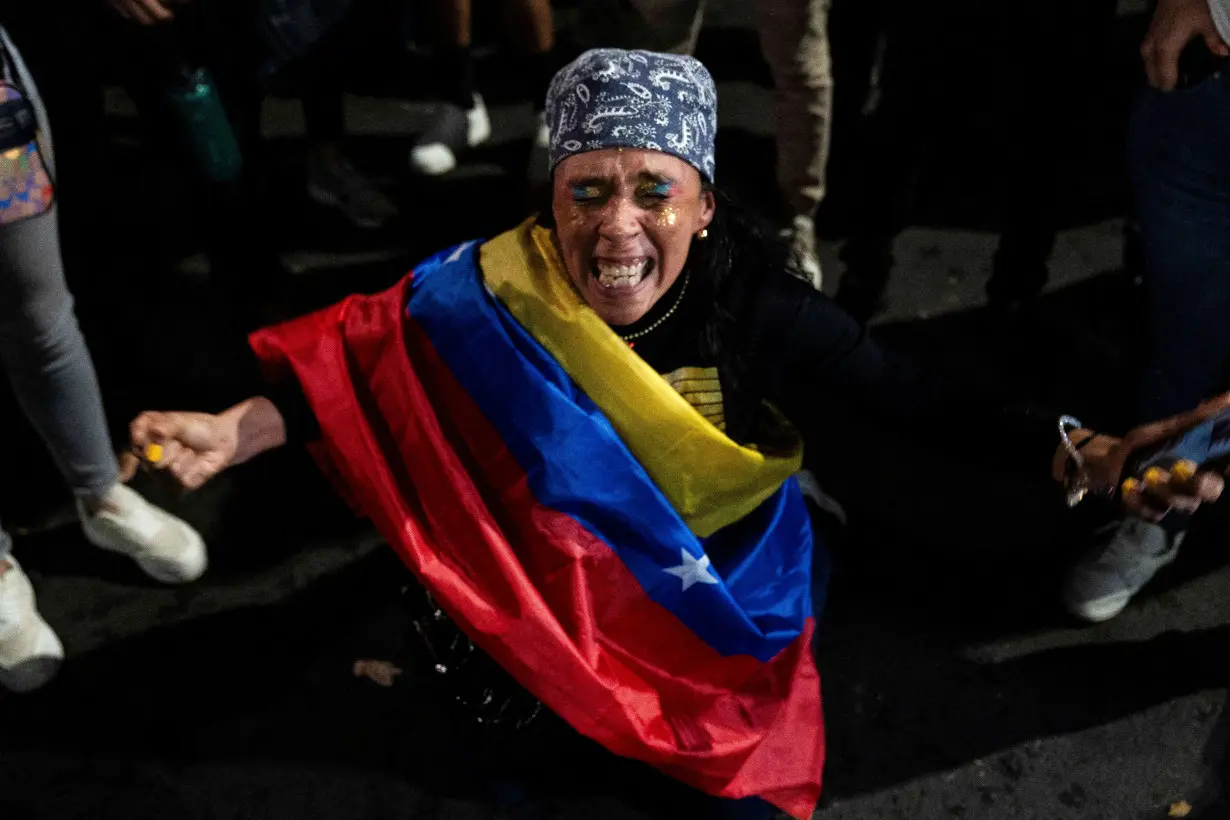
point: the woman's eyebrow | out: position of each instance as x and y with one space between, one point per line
585 182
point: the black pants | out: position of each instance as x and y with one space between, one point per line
550 759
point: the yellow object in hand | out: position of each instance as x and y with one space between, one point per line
1155 475
1183 470
153 453
1129 486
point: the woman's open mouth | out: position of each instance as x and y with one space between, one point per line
621 276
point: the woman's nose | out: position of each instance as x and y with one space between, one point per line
620 219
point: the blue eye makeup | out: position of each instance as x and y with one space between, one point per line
585 193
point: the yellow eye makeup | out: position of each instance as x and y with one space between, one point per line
655 189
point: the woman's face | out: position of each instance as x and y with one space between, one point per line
625 218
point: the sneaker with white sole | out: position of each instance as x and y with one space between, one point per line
165 547
801 237
451 133
339 185
1102 584
542 131
30 650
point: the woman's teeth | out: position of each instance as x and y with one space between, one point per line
622 276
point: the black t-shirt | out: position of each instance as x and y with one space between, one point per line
799 344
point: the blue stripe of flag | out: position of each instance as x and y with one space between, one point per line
576 464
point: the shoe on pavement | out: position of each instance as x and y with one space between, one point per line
1102 584
451 134
801 237
30 650
339 185
165 547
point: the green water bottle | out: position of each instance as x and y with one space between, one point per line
203 124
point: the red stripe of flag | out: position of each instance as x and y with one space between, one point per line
548 600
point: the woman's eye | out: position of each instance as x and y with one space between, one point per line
660 190
585 193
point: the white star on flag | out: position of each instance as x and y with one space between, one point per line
692 570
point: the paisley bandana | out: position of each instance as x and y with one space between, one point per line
609 98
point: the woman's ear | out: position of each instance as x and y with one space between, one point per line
708 206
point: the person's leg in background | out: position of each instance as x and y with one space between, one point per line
894 136
461 120
794 40
1036 123
332 180
54 381
1053 63
531 27
1181 175
244 266
671 26
241 245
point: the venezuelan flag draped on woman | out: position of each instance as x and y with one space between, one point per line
582 438
650 583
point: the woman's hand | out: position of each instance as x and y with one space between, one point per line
1183 488
192 447
195 447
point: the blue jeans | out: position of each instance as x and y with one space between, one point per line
1179 152
41 346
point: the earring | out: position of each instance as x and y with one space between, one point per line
703 234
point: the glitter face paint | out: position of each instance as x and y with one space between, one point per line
668 216
577 217
625 221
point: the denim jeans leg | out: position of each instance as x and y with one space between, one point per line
1180 168
42 348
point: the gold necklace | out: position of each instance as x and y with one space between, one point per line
665 316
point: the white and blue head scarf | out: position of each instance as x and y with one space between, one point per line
612 98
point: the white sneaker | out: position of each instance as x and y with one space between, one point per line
453 131
164 546
1100 586
30 650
